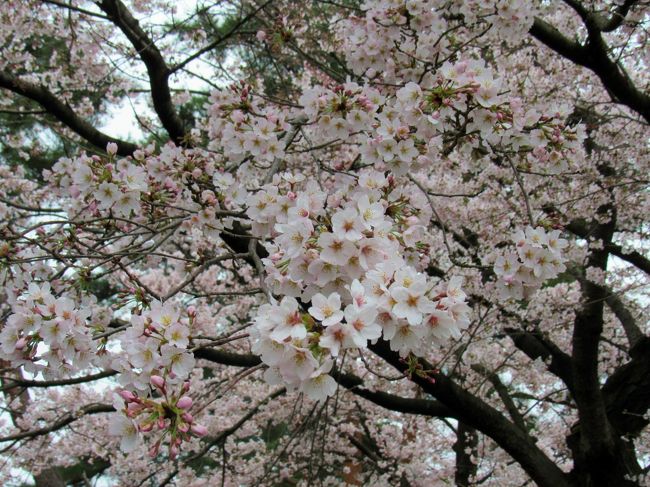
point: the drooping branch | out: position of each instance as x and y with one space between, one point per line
63 113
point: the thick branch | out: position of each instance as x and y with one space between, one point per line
632 330
536 346
635 258
157 69
425 407
63 113
627 392
594 56
466 439
483 417
599 456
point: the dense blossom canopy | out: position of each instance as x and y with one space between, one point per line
391 242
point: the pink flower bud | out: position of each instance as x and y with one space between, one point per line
153 451
111 148
161 423
261 35
184 402
186 386
196 173
128 396
199 430
187 417
191 311
145 428
173 451
158 382
183 427
20 344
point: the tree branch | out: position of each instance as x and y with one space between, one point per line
218 41
483 417
61 423
64 114
157 69
12 382
594 56
534 345
635 258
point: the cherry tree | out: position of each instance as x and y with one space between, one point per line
400 242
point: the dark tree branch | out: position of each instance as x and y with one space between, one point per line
61 423
227 358
425 407
635 258
616 19
75 9
483 417
218 41
466 438
594 56
11 382
534 345
599 456
627 391
351 382
504 395
63 113
157 69
632 330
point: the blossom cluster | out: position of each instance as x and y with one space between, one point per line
156 343
48 333
537 257
238 128
396 39
114 185
354 257
168 413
